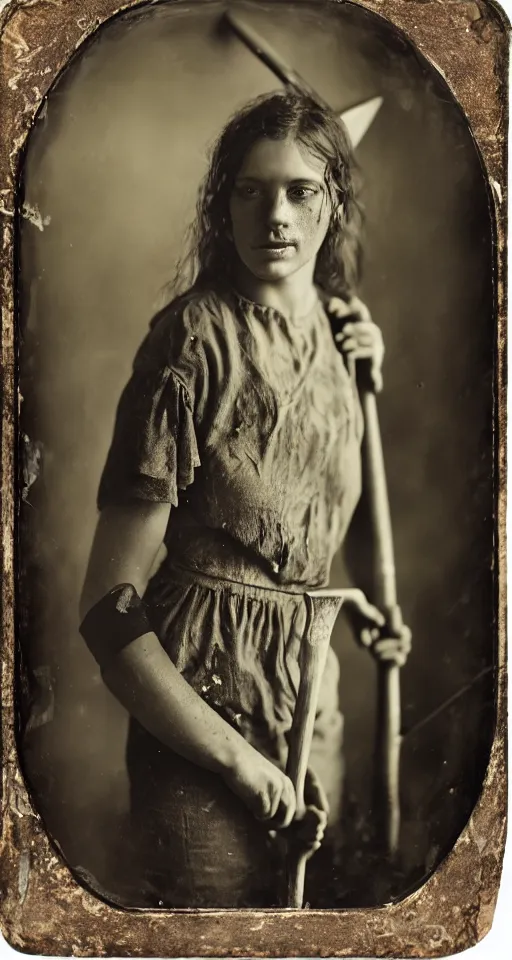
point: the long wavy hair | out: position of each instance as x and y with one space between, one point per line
210 256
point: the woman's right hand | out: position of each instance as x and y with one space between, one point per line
368 625
265 789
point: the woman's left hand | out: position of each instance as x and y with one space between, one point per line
360 338
308 832
367 622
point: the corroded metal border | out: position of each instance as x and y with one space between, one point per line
43 909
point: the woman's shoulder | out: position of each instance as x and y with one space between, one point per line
197 321
198 310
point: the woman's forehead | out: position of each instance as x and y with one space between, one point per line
281 160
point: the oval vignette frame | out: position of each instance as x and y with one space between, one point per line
44 909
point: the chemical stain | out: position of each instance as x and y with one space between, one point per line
23 874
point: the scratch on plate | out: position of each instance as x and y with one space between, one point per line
31 463
32 214
23 874
497 189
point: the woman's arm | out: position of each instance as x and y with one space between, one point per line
126 542
361 339
146 682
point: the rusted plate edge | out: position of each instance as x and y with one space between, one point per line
43 909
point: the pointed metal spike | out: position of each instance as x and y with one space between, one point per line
360 118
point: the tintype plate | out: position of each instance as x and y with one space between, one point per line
107 113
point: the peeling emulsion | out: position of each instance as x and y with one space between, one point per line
44 909
32 214
24 872
43 702
497 189
31 454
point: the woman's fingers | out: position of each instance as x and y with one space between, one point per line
347 343
339 307
314 793
360 329
309 831
358 352
282 807
368 637
283 817
389 645
364 334
313 824
373 614
368 624
377 381
388 649
389 655
357 600
353 307
349 339
360 310
363 341
267 791
350 342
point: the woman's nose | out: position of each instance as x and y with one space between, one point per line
277 212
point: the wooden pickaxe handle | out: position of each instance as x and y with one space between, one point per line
321 613
270 57
388 740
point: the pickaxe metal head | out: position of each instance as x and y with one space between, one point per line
357 119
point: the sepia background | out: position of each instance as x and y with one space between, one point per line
109 186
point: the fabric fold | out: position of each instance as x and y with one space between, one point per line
154 451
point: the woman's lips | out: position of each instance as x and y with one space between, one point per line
276 249
276 244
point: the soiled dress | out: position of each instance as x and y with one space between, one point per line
248 423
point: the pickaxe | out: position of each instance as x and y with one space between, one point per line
357 119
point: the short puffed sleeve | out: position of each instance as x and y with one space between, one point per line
154 450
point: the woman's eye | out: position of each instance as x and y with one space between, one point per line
247 191
303 193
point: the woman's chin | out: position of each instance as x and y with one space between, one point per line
273 271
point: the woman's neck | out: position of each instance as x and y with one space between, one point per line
293 296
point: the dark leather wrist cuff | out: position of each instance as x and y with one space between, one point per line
117 619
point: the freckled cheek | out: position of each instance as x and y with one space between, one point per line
311 224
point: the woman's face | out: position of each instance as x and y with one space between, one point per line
280 209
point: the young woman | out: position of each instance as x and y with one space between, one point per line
236 447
